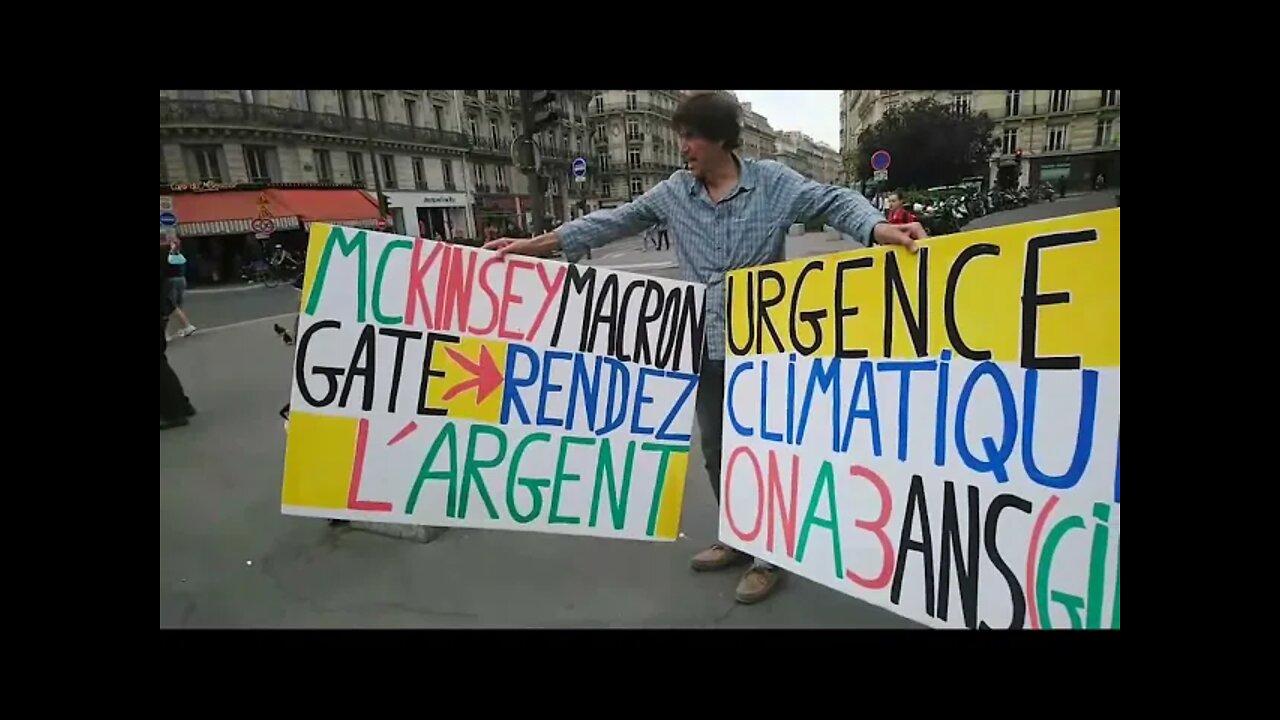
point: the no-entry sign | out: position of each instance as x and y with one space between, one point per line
880 160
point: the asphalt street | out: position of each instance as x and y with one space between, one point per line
228 558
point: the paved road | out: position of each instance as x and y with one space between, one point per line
228 558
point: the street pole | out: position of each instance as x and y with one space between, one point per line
473 230
383 210
531 172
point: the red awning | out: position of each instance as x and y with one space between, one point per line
340 207
229 213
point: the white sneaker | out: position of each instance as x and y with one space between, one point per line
187 330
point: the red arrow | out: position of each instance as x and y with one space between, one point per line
486 376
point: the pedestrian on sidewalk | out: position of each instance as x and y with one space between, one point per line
176 280
175 407
898 212
727 213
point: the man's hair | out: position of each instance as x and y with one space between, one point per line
710 115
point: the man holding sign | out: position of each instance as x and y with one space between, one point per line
726 213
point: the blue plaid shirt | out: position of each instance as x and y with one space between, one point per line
745 229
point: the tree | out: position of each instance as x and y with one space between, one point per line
931 145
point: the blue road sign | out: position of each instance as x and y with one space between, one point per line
880 160
580 167
168 219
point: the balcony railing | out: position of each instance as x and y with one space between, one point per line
637 106
482 187
1077 104
489 146
229 113
647 165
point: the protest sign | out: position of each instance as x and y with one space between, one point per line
438 384
937 433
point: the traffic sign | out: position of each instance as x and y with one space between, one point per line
880 160
166 203
580 167
262 225
168 219
880 175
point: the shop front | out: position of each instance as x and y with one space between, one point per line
224 230
507 214
429 214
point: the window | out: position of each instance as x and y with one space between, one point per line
511 97
637 186
555 186
438 112
1012 102
1056 139
246 97
301 100
1010 144
632 102
604 163
474 125
501 172
515 131
447 167
633 130
962 103
324 166
419 174
479 173
493 132
343 108
1059 100
633 158
1103 136
257 162
204 160
389 171
411 111
1110 97
605 189
356 161
379 107
600 106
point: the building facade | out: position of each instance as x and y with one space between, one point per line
504 196
633 144
443 157
1070 136
807 156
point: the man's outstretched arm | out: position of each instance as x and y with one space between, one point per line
590 231
848 211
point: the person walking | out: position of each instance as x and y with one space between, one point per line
176 279
175 406
726 213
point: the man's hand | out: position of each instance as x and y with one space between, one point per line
904 235
540 246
